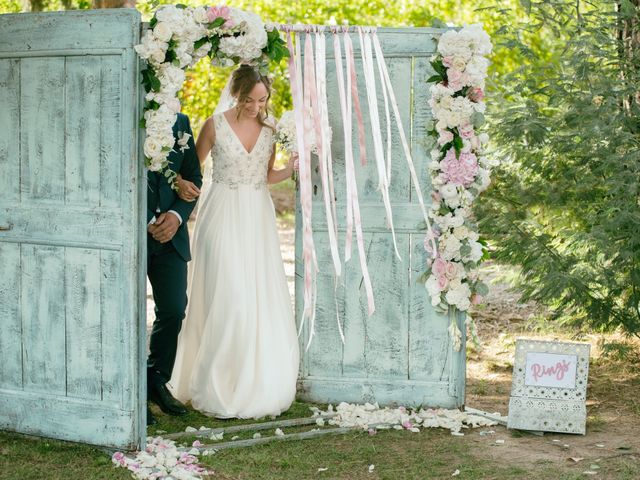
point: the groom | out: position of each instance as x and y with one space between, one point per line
167 256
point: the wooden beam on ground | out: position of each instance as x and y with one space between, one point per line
294 422
259 441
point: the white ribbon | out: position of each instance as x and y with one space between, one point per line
370 82
405 145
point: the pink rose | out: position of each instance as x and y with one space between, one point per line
447 61
450 270
475 94
445 137
439 267
436 197
460 171
454 79
476 299
466 131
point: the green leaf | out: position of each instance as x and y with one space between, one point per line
481 289
478 120
435 79
199 43
153 22
142 123
218 22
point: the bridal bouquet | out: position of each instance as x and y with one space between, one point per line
286 132
178 37
460 169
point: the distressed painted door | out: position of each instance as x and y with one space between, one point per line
402 353
71 227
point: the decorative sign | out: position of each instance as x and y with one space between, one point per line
549 386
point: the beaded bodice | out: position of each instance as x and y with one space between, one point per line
232 165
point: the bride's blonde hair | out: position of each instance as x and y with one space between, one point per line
243 79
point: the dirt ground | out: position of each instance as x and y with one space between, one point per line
613 392
611 447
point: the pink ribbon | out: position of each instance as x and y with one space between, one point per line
308 250
348 51
353 206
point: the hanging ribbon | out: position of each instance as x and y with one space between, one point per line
353 207
316 85
355 97
308 250
370 82
382 66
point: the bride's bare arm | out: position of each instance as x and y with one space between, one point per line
187 190
276 176
206 139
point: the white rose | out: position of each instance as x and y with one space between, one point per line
461 232
162 31
459 63
152 147
200 15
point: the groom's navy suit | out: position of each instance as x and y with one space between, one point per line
167 262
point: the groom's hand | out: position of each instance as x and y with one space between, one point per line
165 227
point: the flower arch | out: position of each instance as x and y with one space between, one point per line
178 38
460 169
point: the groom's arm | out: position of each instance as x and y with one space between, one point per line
189 170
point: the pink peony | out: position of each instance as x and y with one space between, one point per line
221 11
459 171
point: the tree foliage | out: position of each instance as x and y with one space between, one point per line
565 207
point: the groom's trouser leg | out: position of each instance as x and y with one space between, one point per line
167 272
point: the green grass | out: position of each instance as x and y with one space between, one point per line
396 455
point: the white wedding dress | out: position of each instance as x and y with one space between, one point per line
238 349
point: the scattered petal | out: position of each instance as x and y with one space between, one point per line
257 435
371 468
203 428
487 432
235 437
322 469
589 472
500 441
576 459
190 430
600 445
372 431
456 473
279 432
594 467
197 443
457 434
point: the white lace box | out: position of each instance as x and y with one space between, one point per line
549 386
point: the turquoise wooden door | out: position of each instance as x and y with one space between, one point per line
402 353
72 234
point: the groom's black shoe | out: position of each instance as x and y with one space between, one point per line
151 420
159 394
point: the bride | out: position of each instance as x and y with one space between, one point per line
238 350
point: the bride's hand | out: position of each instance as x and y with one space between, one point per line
294 161
186 190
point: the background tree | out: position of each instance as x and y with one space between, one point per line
565 206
